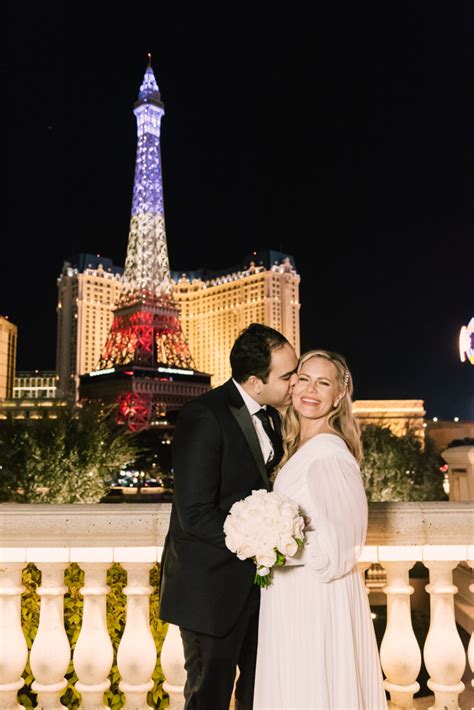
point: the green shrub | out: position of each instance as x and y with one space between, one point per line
400 468
116 612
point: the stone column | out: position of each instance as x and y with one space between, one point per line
13 647
136 657
50 653
172 663
93 654
399 653
444 654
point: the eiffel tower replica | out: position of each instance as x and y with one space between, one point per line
146 366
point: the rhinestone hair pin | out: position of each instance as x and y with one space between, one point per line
346 378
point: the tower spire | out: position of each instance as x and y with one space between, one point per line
147 271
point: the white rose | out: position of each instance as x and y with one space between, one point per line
233 541
269 540
260 493
253 527
246 551
287 511
288 546
267 560
238 507
273 502
285 525
233 537
298 528
269 523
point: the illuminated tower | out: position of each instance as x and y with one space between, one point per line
146 364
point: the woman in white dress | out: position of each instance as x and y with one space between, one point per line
317 646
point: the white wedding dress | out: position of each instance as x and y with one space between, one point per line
316 645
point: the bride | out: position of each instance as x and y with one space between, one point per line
316 646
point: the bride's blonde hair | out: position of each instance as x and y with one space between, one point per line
341 420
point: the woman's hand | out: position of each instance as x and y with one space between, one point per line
307 524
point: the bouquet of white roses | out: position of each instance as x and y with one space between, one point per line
266 527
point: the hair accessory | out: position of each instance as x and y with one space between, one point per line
346 378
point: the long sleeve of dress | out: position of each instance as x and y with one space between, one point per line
338 515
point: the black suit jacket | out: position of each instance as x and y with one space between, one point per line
217 460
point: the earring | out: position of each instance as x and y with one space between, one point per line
336 403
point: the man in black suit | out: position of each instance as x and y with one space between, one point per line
225 445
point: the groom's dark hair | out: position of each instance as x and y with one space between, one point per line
251 353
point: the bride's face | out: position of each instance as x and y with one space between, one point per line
316 389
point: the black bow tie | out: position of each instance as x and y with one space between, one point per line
274 437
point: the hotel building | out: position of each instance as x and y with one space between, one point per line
398 415
35 384
8 340
216 306
88 291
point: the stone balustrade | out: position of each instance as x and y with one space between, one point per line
441 535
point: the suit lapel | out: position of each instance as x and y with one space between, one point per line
244 420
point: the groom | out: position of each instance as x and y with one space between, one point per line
225 445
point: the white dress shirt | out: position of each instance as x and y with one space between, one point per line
253 406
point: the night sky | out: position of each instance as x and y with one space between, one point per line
343 135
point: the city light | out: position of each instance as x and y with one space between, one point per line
466 342
175 371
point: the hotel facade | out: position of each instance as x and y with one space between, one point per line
88 290
216 306
8 341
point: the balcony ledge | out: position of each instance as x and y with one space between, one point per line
142 525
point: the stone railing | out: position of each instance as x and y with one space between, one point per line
96 536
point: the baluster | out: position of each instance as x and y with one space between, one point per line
13 646
363 567
399 653
366 560
50 653
444 655
172 663
136 657
470 649
94 653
